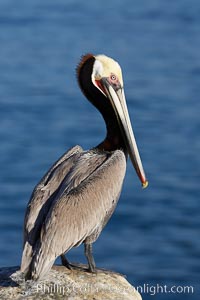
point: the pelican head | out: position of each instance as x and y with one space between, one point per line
100 78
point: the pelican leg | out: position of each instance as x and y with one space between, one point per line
90 258
68 265
65 262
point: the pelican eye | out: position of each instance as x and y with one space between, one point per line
113 77
114 81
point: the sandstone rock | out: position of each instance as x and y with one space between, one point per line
62 283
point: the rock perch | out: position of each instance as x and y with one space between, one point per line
62 283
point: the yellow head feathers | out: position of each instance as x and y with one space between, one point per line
104 66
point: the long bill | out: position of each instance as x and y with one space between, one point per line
118 101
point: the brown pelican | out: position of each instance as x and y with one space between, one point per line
75 199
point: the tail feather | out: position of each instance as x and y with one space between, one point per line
26 257
40 265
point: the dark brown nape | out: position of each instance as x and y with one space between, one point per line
84 66
84 71
83 60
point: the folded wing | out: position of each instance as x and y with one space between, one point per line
83 204
41 200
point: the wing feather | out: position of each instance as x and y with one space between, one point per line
41 200
78 212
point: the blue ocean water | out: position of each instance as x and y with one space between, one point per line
153 237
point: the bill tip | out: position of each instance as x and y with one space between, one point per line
145 184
